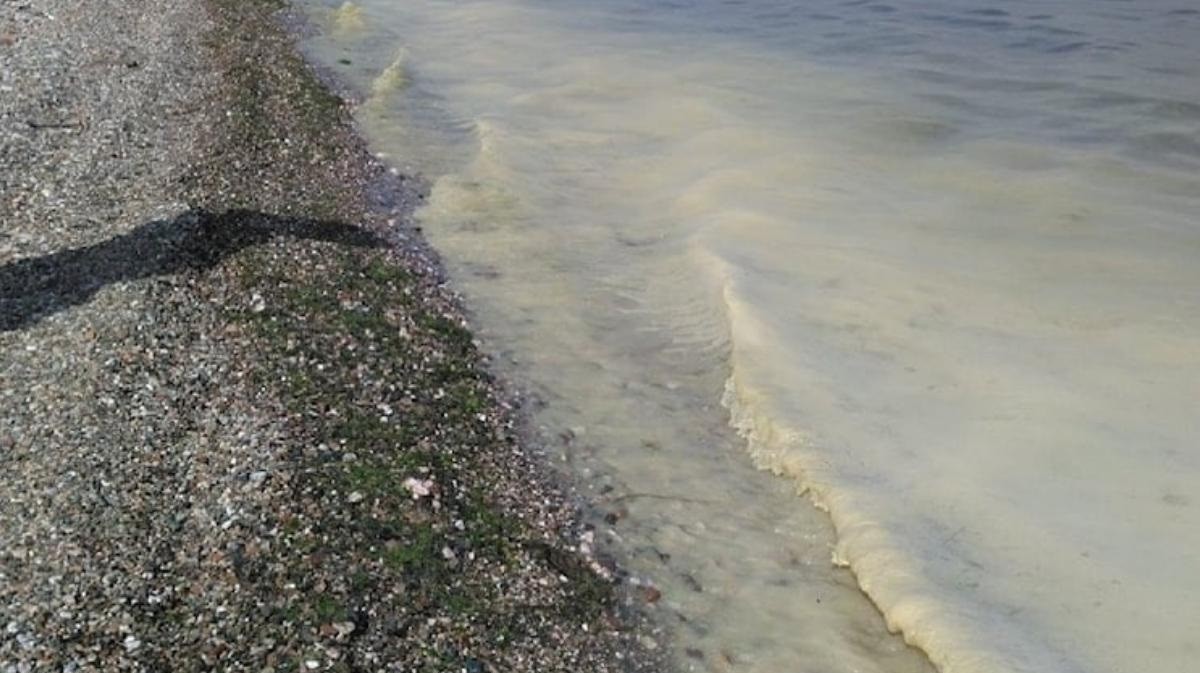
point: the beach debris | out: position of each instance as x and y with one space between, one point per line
650 593
419 488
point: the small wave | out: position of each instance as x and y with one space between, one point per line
347 19
957 635
480 195
394 78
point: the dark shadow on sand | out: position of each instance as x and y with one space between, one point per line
34 288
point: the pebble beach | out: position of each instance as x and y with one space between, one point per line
244 425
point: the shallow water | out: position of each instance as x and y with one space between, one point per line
934 266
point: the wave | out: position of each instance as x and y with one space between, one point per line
392 80
958 637
347 19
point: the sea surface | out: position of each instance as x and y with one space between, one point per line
875 326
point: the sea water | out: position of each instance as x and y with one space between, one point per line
934 267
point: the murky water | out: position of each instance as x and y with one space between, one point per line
936 266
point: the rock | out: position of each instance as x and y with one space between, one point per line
131 643
26 641
354 497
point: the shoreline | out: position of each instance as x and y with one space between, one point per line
252 431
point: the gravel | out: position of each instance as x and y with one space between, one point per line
243 426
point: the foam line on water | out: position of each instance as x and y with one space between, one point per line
956 637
